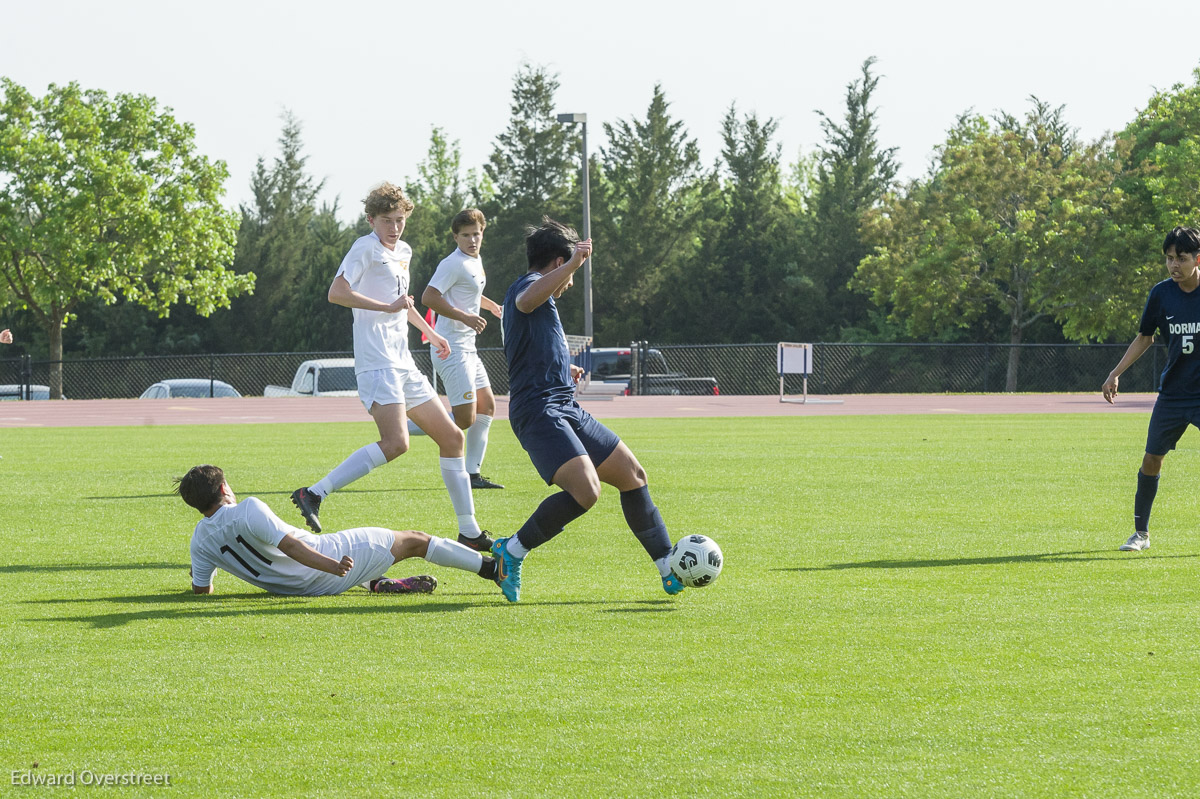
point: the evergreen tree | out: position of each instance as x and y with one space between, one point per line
744 284
271 244
532 171
852 176
650 187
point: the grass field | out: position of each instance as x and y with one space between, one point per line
911 606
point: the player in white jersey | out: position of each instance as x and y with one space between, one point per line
455 293
373 281
250 542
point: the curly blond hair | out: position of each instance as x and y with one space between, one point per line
386 198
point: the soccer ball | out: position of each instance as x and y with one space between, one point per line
696 560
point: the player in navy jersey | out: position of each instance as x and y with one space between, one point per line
1173 310
568 447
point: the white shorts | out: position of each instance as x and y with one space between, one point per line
396 386
371 548
462 374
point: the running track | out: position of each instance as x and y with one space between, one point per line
267 410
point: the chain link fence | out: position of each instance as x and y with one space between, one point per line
737 369
915 368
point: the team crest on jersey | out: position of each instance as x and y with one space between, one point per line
470 395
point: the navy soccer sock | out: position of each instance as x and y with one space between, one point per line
555 513
1143 501
646 522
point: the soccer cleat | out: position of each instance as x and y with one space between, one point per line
308 503
479 481
508 571
672 584
1136 543
421 584
480 543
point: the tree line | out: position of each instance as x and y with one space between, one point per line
111 228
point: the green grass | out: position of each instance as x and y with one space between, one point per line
911 606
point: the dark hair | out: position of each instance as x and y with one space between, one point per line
201 486
471 216
551 240
1184 240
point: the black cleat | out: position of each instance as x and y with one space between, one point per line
308 503
479 481
480 543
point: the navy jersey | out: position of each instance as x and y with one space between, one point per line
1175 315
539 362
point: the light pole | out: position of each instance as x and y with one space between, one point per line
581 119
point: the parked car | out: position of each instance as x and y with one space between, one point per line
614 365
189 387
324 377
16 391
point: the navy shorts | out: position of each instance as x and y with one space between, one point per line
561 433
1168 421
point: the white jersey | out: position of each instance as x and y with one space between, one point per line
460 279
243 539
380 339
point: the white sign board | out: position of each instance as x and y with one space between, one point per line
794 359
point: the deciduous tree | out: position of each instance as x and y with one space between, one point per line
1015 215
107 197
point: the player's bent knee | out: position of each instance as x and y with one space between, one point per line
393 449
586 495
409 544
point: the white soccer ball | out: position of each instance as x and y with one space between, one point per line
696 560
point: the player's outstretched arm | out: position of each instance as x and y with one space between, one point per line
305 555
492 307
541 290
1136 349
340 293
432 298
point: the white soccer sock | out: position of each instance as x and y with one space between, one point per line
359 464
664 566
515 547
444 552
477 440
454 475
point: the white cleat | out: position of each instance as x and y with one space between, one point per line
1136 543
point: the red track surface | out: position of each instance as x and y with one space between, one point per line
264 410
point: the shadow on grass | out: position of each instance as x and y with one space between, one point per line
186 605
1084 556
241 493
647 606
19 568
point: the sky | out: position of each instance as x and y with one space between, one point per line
369 82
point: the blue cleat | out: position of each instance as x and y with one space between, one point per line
508 571
672 584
